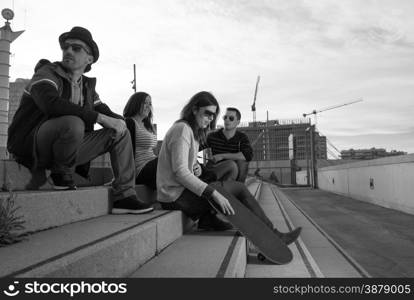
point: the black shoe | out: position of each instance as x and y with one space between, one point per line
38 179
131 205
213 223
288 237
62 181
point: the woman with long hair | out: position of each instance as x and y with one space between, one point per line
178 188
138 116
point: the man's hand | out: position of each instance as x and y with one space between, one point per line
231 156
118 125
223 203
197 170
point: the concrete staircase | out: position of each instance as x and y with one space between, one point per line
202 254
72 234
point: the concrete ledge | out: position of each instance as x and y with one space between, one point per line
237 265
201 254
15 177
391 160
108 246
254 188
47 209
249 180
386 182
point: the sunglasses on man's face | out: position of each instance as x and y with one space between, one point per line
231 118
75 47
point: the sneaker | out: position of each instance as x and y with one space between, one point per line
288 237
62 181
211 222
131 205
38 179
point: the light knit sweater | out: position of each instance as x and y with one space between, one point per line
176 159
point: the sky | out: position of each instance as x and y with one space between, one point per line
310 55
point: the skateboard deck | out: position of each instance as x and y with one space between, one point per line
255 230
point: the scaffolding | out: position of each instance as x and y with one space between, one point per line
271 139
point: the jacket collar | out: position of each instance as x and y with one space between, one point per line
61 71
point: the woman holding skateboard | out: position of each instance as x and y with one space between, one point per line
178 184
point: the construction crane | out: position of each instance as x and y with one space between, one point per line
134 81
315 112
331 152
254 100
252 144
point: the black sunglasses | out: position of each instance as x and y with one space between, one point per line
231 118
75 47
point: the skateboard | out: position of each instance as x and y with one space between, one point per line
255 230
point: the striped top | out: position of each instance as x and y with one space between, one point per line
219 144
145 143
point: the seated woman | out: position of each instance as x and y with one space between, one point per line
180 189
138 118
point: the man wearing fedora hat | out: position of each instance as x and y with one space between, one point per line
53 128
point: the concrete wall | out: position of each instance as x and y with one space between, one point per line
282 169
15 177
388 182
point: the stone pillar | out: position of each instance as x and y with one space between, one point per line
7 36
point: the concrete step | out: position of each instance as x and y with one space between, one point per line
254 187
302 265
47 209
14 177
106 246
200 254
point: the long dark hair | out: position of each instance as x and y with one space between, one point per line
201 99
134 106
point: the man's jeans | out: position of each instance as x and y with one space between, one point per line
229 170
62 143
243 167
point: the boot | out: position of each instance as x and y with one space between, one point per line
288 237
37 180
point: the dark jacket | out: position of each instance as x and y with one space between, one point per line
47 96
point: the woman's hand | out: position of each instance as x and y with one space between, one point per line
197 170
223 203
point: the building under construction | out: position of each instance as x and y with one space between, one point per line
270 139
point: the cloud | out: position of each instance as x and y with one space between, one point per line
310 55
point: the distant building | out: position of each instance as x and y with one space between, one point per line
16 91
372 153
271 139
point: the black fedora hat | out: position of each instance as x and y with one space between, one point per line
85 36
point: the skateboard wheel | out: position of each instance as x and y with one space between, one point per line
261 257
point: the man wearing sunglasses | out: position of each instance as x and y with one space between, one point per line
53 128
231 149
